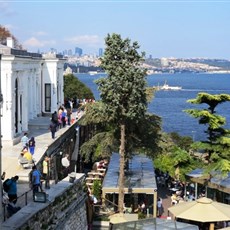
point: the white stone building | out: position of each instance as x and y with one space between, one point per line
31 86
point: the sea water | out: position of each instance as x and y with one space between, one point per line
170 105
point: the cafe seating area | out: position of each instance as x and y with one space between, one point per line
97 173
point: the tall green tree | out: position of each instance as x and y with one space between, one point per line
123 91
217 145
73 88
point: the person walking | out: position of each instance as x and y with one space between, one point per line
45 171
69 112
10 187
160 209
24 140
31 145
55 118
64 115
36 179
53 129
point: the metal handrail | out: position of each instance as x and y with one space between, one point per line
22 204
26 196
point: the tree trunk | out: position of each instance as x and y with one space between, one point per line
121 171
177 172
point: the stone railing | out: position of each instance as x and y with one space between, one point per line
64 208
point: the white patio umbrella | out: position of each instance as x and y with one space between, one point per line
202 210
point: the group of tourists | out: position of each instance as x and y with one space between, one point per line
28 143
9 191
61 118
27 152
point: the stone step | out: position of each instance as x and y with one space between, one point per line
24 175
39 123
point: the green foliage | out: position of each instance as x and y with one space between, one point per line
73 88
96 189
214 121
175 162
180 141
217 144
223 165
123 90
99 146
175 156
121 116
95 114
141 215
144 136
209 99
150 93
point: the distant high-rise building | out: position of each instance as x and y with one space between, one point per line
53 50
69 52
65 52
100 52
78 51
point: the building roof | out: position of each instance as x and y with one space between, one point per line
140 178
152 223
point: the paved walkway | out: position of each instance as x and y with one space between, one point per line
164 193
38 128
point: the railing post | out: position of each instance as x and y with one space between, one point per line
4 211
26 198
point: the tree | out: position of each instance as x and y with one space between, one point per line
73 88
123 91
217 145
175 157
143 137
184 142
4 34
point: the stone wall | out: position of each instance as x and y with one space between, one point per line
64 209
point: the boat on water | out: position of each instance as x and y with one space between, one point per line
167 87
92 72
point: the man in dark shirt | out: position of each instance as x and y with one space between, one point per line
12 191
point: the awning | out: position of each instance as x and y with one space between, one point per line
139 178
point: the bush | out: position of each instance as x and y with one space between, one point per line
96 189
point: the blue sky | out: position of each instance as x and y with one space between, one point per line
181 29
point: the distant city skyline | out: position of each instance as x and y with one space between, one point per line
180 29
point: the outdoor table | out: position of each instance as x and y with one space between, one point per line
101 170
91 179
95 174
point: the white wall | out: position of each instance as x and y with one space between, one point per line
23 79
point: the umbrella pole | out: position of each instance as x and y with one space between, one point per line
211 226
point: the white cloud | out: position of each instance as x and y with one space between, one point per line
34 42
89 40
